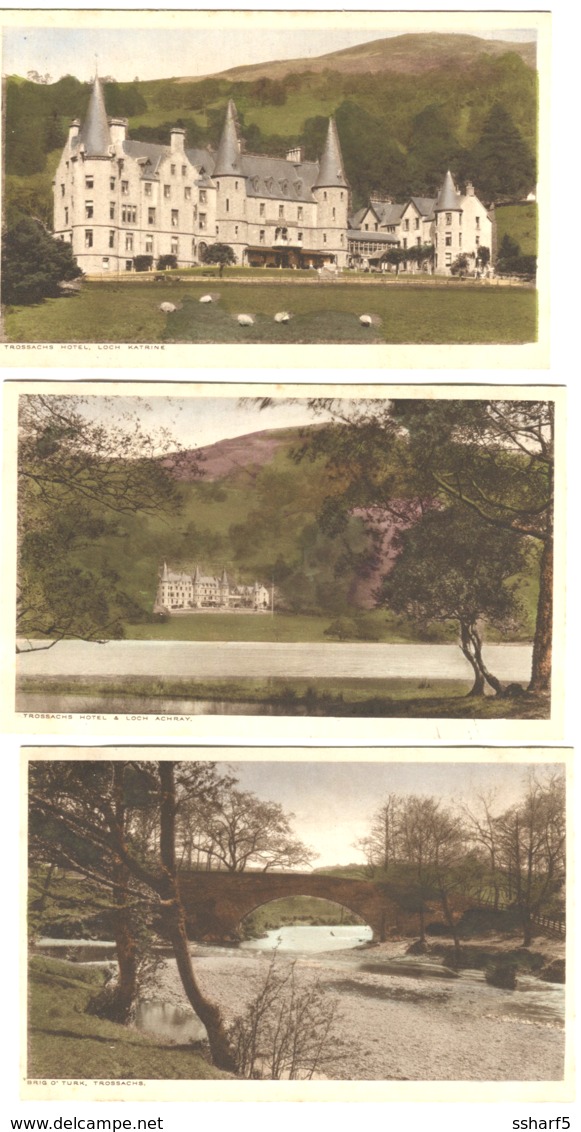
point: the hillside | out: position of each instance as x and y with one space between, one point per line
406 108
410 54
230 459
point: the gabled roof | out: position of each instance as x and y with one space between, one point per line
388 212
424 205
94 134
448 197
331 172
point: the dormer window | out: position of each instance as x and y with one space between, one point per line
298 187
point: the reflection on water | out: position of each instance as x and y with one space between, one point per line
308 938
133 705
170 1023
76 950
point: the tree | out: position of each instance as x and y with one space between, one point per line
453 567
532 841
501 163
494 458
77 479
34 264
92 811
241 831
222 254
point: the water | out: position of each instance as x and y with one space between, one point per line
307 938
176 1024
177 659
77 950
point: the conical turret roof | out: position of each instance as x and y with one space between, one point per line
331 172
448 197
228 155
94 133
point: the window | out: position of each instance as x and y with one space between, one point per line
218 185
62 190
477 241
419 241
448 258
341 196
148 245
203 196
187 193
217 230
448 239
151 216
112 184
128 264
460 240
235 229
227 205
300 214
88 237
262 235
236 185
112 210
300 237
88 210
406 225
129 214
167 191
324 196
281 211
417 223
193 247
477 223
262 210
147 188
448 218
89 182
174 217
324 237
66 215
125 188
105 262
405 242
342 238
174 245
173 170
129 241
202 221
366 226
376 227
111 238
184 170
334 216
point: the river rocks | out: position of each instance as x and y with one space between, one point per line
554 972
418 947
502 974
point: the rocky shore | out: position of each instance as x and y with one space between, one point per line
404 1027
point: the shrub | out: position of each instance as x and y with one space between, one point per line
165 262
34 264
143 262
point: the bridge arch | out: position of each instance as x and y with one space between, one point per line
216 902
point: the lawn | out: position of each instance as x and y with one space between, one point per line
67 1043
128 311
283 627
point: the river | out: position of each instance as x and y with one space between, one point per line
401 1017
204 659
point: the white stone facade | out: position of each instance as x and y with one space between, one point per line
199 591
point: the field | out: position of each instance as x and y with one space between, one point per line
421 313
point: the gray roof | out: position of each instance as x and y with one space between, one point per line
388 212
371 237
228 155
357 217
94 133
270 176
424 205
331 171
448 197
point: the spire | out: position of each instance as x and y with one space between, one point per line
331 172
94 133
164 576
448 197
228 155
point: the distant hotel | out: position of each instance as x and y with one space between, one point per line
182 591
116 199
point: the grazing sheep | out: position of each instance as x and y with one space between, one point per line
206 299
366 320
167 308
282 316
245 320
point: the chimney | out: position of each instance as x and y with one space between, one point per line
469 189
178 137
74 130
118 127
295 155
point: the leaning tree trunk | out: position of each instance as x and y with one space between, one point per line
542 647
491 680
174 922
126 948
477 688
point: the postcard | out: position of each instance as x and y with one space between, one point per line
321 190
348 562
249 925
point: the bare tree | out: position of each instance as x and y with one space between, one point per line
241 831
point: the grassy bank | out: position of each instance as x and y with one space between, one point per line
324 313
327 696
375 626
303 910
64 1042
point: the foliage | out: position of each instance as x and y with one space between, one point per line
460 265
34 264
289 1030
221 254
502 164
143 262
166 262
238 830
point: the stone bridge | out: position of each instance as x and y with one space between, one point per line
217 902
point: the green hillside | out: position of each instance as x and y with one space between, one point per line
406 108
259 521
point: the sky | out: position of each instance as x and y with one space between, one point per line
171 52
334 801
197 421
